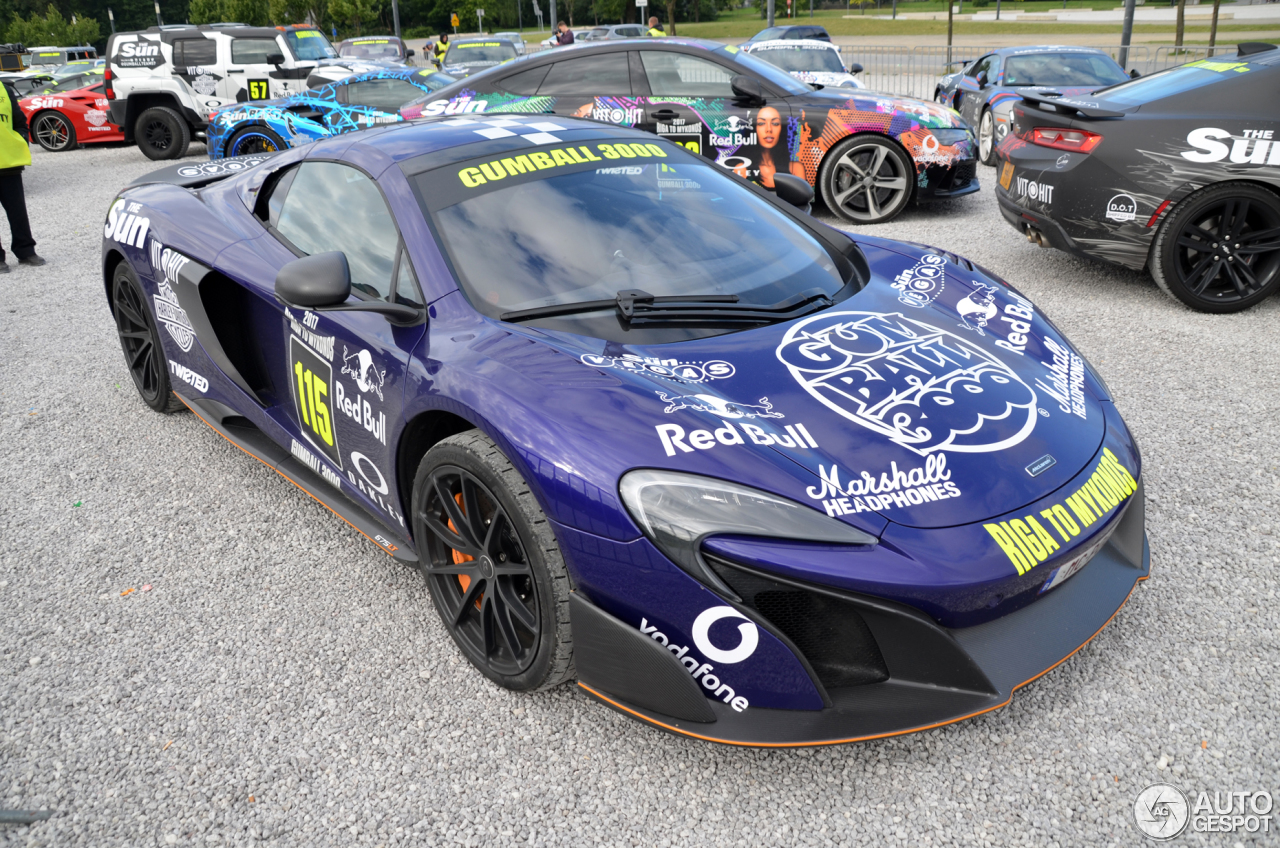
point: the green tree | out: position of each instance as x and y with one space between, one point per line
52 29
352 16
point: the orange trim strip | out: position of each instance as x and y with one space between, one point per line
645 718
306 491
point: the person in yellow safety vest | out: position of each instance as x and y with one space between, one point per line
655 31
15 154
442 47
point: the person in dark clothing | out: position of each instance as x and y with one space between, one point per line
15 154
564 35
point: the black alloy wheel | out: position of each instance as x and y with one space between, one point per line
54 132
251 140
867 179
492 564
162 133
1219 251
143 354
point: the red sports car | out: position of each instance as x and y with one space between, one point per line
61 120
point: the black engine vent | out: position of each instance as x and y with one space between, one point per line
825 628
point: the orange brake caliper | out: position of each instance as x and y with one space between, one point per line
458 556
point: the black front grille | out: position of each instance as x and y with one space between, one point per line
825 628
961 175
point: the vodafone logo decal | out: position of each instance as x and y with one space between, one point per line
702 636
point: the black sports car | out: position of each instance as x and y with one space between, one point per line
984 92
868 154
1177 172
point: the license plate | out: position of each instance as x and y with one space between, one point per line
1006 176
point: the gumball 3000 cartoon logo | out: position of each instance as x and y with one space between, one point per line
917 385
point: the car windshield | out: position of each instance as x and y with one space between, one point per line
584 223
479 53
1174 81
436 81
49 59
309 45
801 58
769 34
376 48
71 83
1062 69
772 73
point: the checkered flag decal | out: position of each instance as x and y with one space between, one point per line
534 133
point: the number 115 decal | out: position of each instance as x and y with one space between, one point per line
312 383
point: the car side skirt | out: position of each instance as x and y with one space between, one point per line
239 431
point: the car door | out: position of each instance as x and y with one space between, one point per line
691 103
343 371
248 75
968 97
196 61
596 87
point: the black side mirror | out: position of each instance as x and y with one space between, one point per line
855 68
409 54
275 58
747 89
793 190
322 283
982 80
1133 74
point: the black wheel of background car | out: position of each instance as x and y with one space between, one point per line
866 179
987 138
1219 250
254 140
140 341
162 133
496 575
53 131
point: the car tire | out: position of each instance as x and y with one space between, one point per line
506 603
54 132
140 340
1193 260
162 133
987 138
254 139
846 169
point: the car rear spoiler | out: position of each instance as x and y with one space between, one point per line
1070 107
197 174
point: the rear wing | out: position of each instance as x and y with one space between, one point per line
198 174
1070 107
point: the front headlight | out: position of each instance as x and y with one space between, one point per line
1003 111
677 511
951 136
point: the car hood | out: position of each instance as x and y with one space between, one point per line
1044 90
925 112
937 396
827 78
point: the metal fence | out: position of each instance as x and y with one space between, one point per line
915 71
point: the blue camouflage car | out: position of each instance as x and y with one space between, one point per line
356 102
639 422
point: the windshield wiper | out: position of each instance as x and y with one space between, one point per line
639 307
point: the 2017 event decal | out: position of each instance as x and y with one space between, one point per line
917 385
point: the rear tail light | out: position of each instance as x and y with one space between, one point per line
107 88
1076 141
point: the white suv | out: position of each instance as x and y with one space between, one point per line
164 82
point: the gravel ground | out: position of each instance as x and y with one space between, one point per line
283 682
